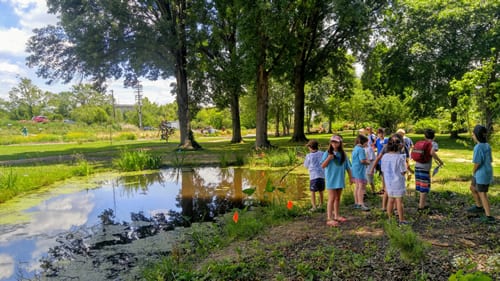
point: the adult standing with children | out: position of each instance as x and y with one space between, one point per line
482 174
336 164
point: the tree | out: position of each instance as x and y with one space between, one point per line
112 39
220 63
321 33
432 42
358 107
479 90
263 27
389 111
26 100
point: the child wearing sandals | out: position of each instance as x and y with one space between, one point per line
394 169
359 163
335 163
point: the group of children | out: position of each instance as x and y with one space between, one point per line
327 171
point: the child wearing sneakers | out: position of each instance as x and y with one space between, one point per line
394 168
316 173
482 174
359 163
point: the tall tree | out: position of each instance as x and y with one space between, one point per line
321 33
220 62
263 28
479 91
433 42
100 40
26 100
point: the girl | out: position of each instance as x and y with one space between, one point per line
393 167
359 162
335 163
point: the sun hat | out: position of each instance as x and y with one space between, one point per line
400 131
336 139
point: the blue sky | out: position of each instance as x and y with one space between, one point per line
17 20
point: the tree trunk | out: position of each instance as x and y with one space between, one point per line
299 105
277 124
235 118
261 139
454 117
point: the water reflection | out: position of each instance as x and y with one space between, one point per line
164 199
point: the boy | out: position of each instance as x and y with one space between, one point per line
422 171
482 174
316 173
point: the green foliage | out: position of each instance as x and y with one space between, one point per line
411 248
280 158
476 276
8 184
426 123
82 166
137 161
389 111
125 136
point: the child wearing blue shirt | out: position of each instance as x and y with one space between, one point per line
482 174
359 163
336 164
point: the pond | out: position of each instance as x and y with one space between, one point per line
63 223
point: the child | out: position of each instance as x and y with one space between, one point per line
316 173
336 163
380 142
370 156
394 168
482 174
359 162
422 172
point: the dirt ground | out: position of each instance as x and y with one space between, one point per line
359 249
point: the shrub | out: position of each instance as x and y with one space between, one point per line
126 136
426 123
137 161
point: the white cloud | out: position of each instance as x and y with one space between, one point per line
33 14
6 266
6 67
13 41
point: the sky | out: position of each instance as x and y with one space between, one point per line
17 20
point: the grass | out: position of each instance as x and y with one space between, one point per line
184 263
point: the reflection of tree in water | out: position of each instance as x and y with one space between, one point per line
202 199
135 183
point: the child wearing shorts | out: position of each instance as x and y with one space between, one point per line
394 169
316 173
482 174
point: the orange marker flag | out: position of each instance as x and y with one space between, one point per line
289 205
235 217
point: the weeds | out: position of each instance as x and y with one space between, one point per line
82 167
404 240
137 161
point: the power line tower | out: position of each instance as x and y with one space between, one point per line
138 98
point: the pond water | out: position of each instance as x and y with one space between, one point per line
172 197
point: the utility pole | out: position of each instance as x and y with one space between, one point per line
113 104
138 97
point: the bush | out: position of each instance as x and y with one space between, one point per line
126 136
426 123
137 161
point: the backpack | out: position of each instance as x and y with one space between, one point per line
421 152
